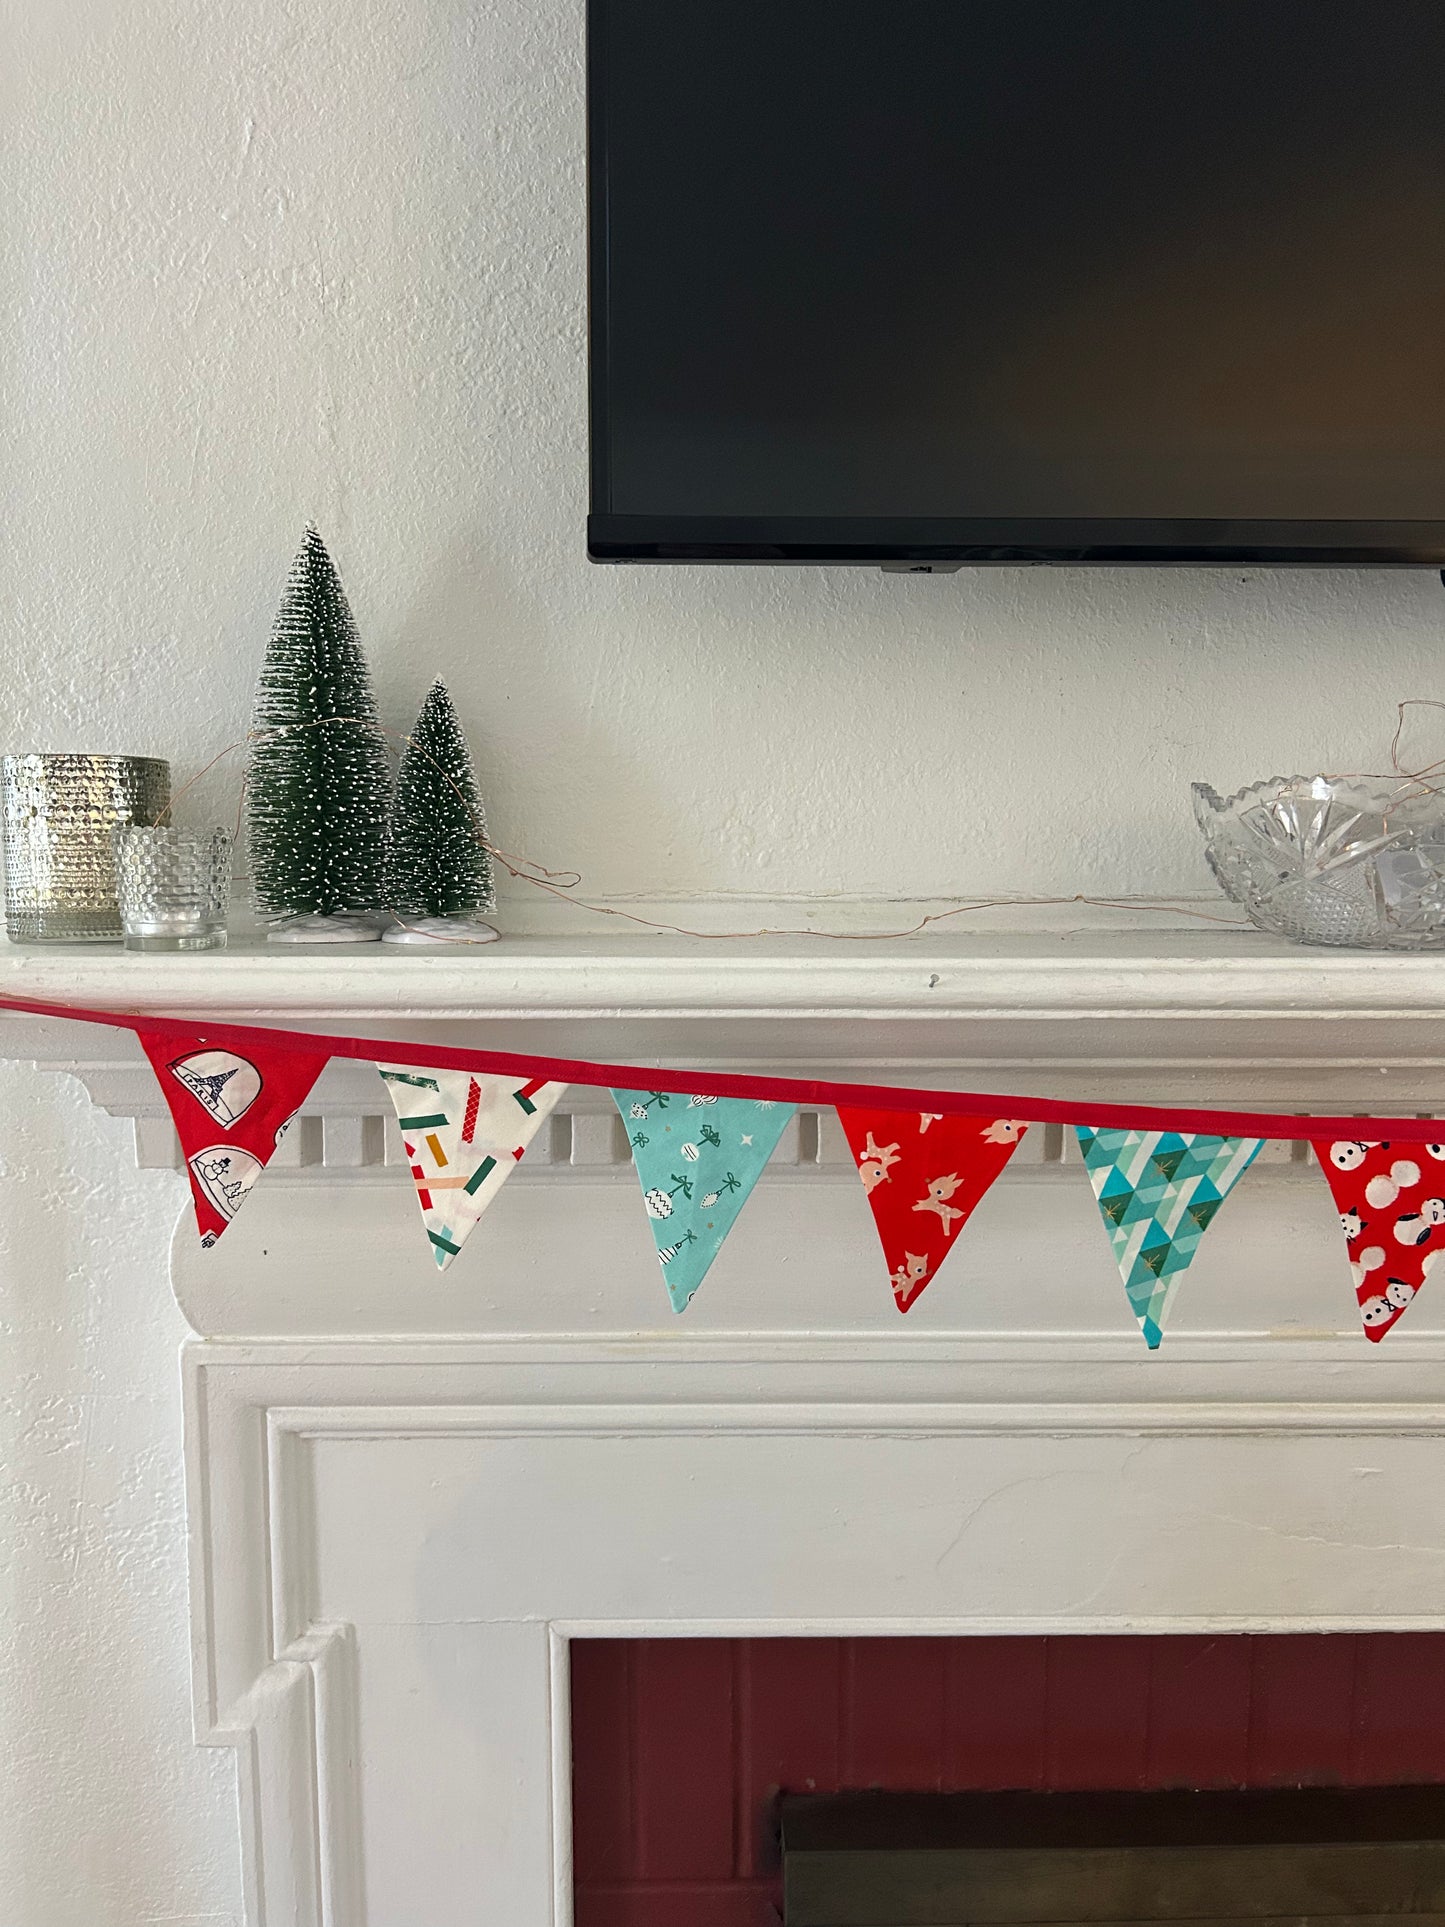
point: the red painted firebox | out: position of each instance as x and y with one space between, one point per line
681 1748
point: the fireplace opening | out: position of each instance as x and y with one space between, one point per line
685 1751
1319 1857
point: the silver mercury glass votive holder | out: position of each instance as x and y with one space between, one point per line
174 885
58 813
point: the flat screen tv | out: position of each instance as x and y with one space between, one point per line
929 282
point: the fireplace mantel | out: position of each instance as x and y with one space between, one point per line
408 1492
1206 1014
1220 970
1076 995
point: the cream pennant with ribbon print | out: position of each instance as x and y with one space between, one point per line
464 1132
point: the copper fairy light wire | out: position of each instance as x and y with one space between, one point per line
563 884
1412 782
1405 776
1430 769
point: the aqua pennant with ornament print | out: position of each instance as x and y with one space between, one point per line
697 1159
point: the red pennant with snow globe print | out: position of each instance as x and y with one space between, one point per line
924 1174
231 1110
1391 1200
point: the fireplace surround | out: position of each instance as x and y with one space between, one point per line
408 1495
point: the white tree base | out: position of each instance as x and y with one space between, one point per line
345 928
425 930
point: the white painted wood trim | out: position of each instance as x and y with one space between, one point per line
1186 975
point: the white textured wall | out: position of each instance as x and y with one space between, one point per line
109 1817
277 259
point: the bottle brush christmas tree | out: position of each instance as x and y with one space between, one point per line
319 783
438 876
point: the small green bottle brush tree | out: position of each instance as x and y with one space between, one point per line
319 780
437 875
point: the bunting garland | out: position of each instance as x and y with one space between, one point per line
699 1141
1157 1193
923 1174
464 1135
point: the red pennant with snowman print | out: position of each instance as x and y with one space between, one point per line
924 1174
230 1112
1391 1200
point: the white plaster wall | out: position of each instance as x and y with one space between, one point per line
299 257
272 259
109 1816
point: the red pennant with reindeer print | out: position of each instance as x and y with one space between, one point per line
924 1175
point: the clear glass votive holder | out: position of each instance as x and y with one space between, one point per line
174 886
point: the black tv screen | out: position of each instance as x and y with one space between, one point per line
930 281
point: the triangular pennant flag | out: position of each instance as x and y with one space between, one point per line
230 1111
697 1159
1158 1192
464 1132
1393 1224
924 1174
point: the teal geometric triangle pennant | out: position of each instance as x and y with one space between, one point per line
697 1158
1158 1192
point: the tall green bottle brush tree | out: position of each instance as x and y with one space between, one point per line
437 877
319 779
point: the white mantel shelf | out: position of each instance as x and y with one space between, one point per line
1174 1011
1182 973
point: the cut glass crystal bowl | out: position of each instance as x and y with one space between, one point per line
1358 861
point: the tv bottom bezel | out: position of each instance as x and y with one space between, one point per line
942 543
